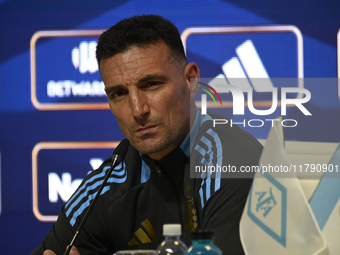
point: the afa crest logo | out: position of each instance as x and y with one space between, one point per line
267 207
265 201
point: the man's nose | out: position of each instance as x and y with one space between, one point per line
139 105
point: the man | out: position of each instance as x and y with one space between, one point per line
150 88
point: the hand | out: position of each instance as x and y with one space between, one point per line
73 251
49 252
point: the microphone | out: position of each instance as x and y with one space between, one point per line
117 157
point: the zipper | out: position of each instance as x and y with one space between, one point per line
178 196
158 170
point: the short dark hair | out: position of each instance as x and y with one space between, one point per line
139 31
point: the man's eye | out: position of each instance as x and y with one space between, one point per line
118 94
152 83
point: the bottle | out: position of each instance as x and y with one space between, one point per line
172 243
202 244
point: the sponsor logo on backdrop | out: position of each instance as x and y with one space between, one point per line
245 79
68 79
245 71
56 173
84 60
62 186
84 57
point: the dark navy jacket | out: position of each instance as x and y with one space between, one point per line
142 194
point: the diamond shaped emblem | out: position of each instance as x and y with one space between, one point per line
267 207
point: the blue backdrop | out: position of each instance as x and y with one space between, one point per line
55 125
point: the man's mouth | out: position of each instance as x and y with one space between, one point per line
145 130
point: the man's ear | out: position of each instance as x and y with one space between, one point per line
192 77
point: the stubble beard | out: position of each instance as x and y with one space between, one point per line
150 144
